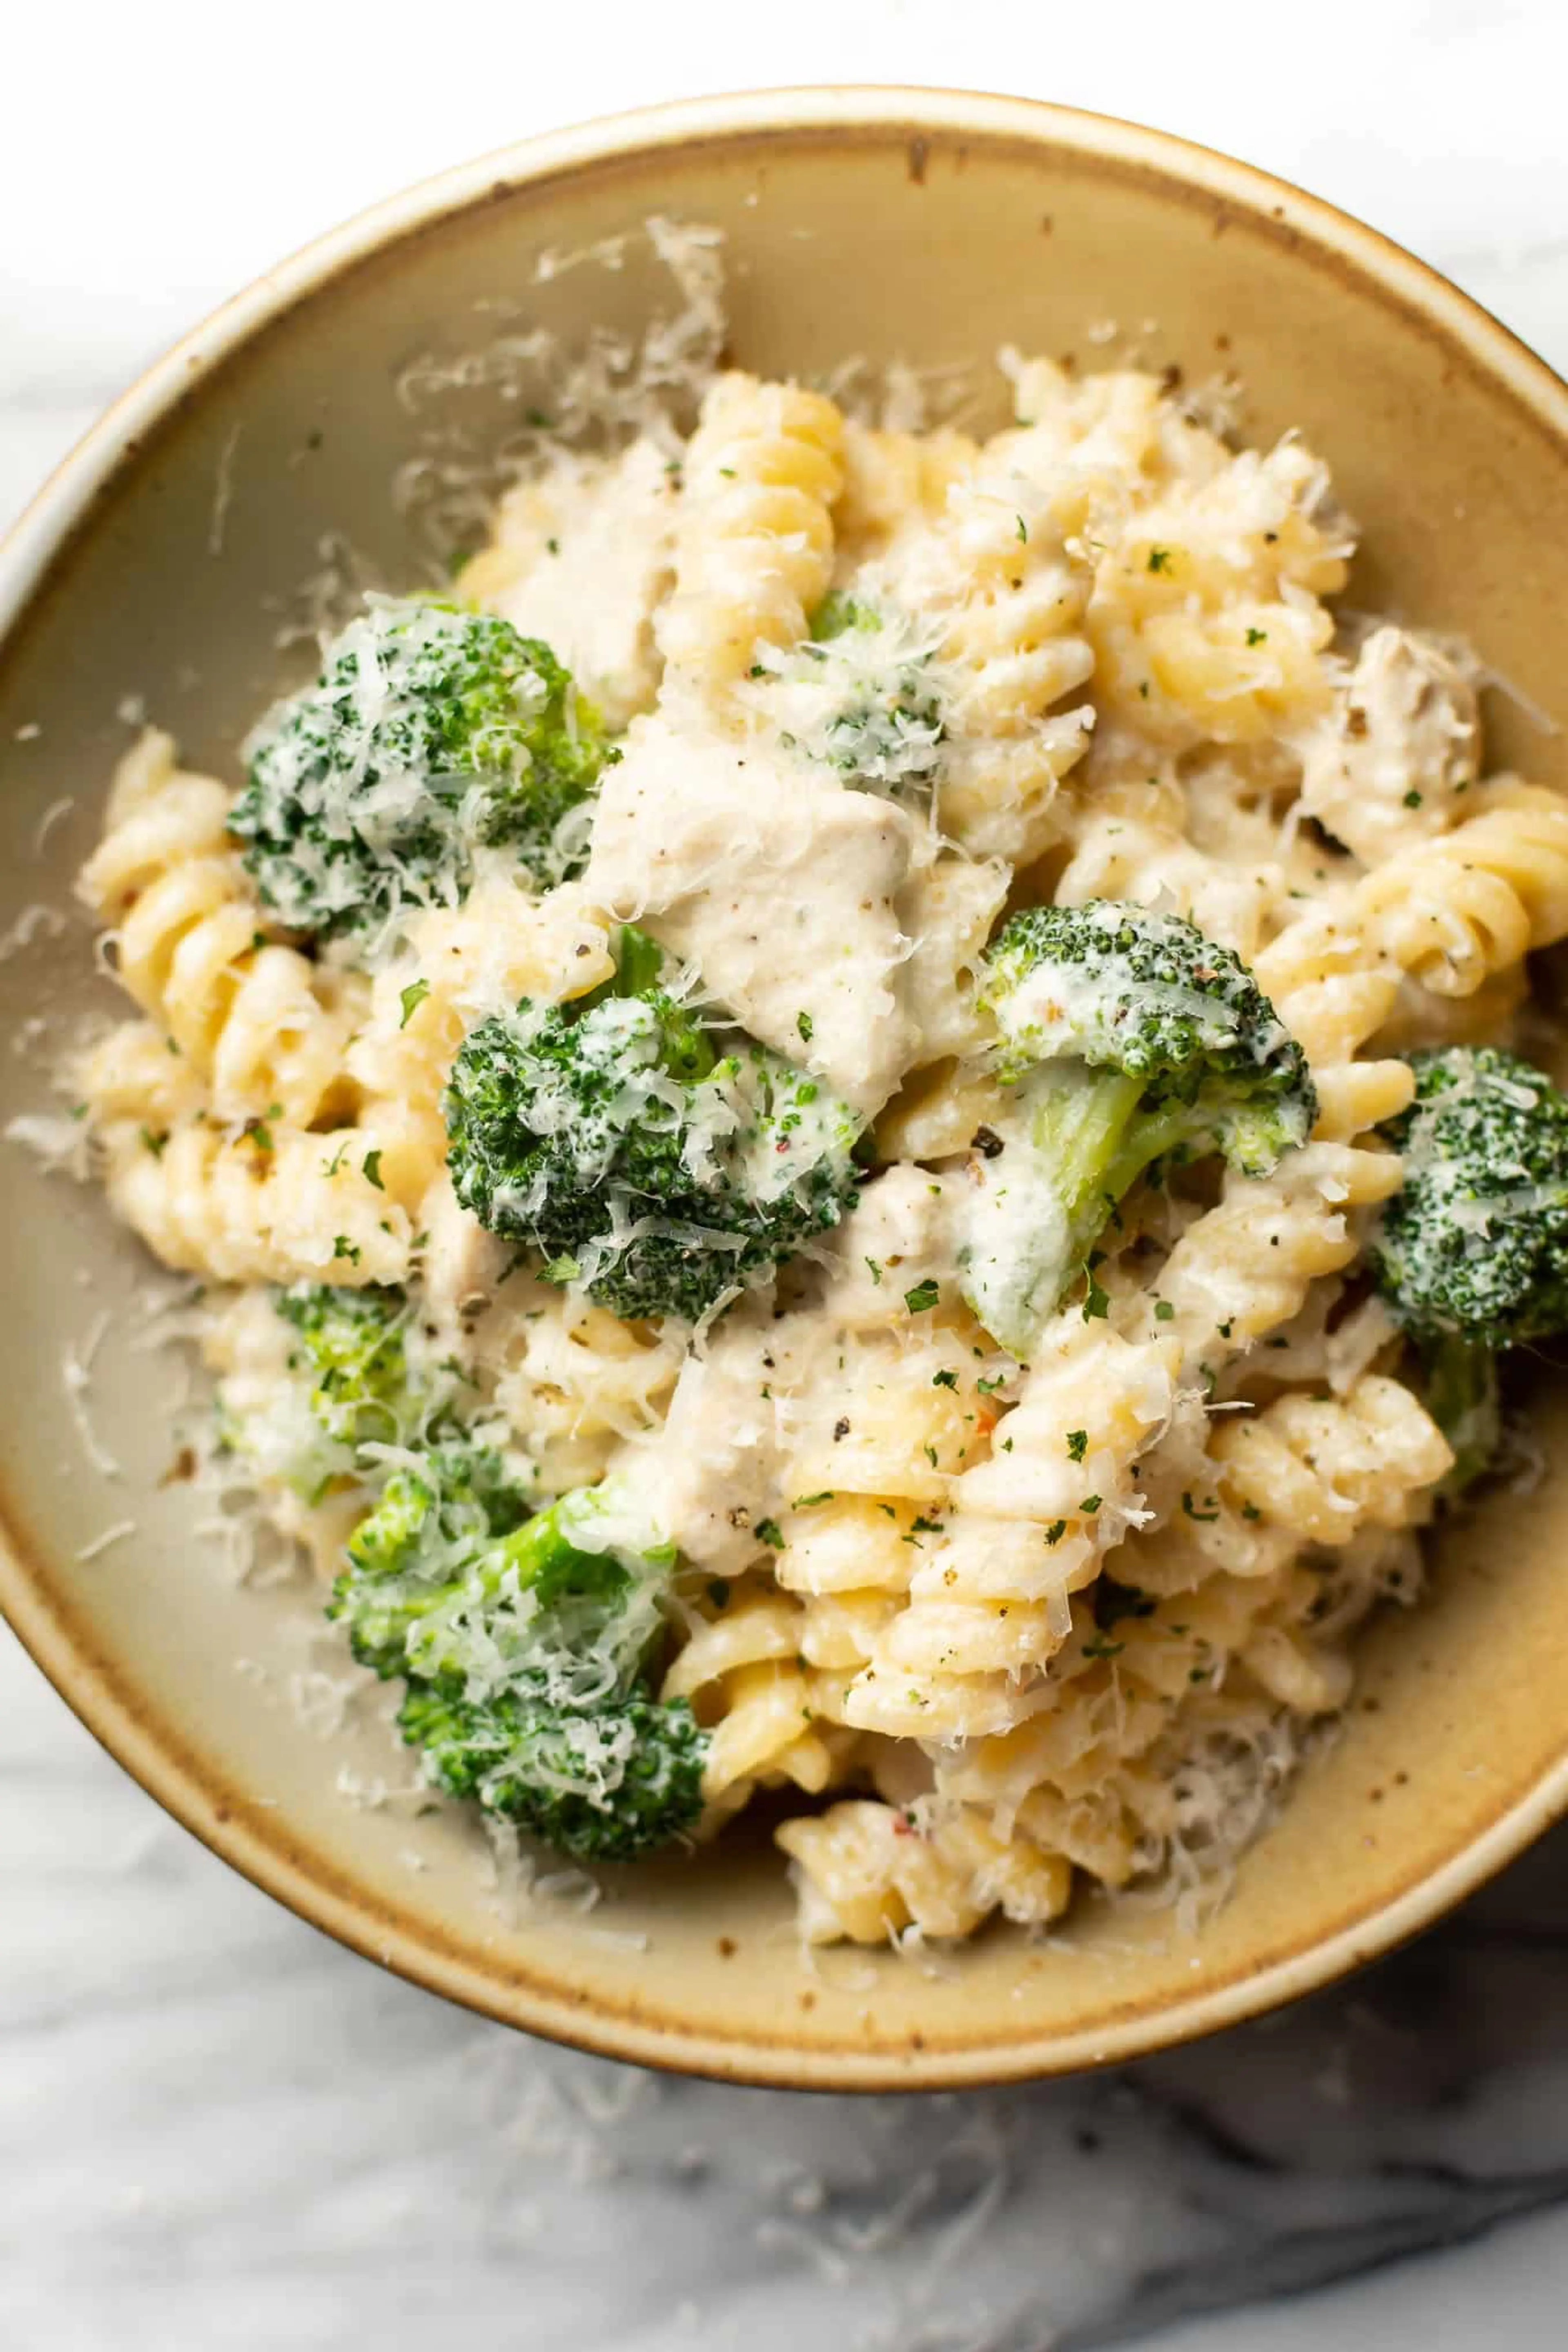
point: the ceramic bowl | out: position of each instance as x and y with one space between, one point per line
164 562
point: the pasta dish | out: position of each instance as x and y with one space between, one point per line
858 1130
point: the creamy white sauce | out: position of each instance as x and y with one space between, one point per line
781 890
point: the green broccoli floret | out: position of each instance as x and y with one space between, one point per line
350 1349
1124 1037
609 1786
354 1374
341 1383
454 1536
859 697
1472 1256
524 1643
408 1557
433 731
641 1148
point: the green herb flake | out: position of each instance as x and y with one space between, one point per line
1078 1444
924 1294
768 1531
412 998
373 1171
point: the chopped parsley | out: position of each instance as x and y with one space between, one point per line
1114 1601
412 998
1078 1444
924 1294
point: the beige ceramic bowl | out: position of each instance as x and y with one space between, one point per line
156 564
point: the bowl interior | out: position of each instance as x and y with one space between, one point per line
919 227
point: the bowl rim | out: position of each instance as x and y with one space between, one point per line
57 1635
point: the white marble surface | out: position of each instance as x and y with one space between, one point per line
216 2129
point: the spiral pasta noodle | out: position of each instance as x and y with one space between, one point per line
868 1872
269 1204
1012 650
753 539
742 1671
894 483
254 1018
988 1603
1217 1593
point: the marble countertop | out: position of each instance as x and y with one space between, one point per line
219 2130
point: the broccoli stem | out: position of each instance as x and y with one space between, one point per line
638 961
1080 1142
540 1556
1463 1400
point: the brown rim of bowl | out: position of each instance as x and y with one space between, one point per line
59 1638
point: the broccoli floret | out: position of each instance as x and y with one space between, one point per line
453 1537
408 1557
644 1150
354 1374
609 1786
350 1349
859 697
524 1643
433 731
1472 1256
1124 1037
